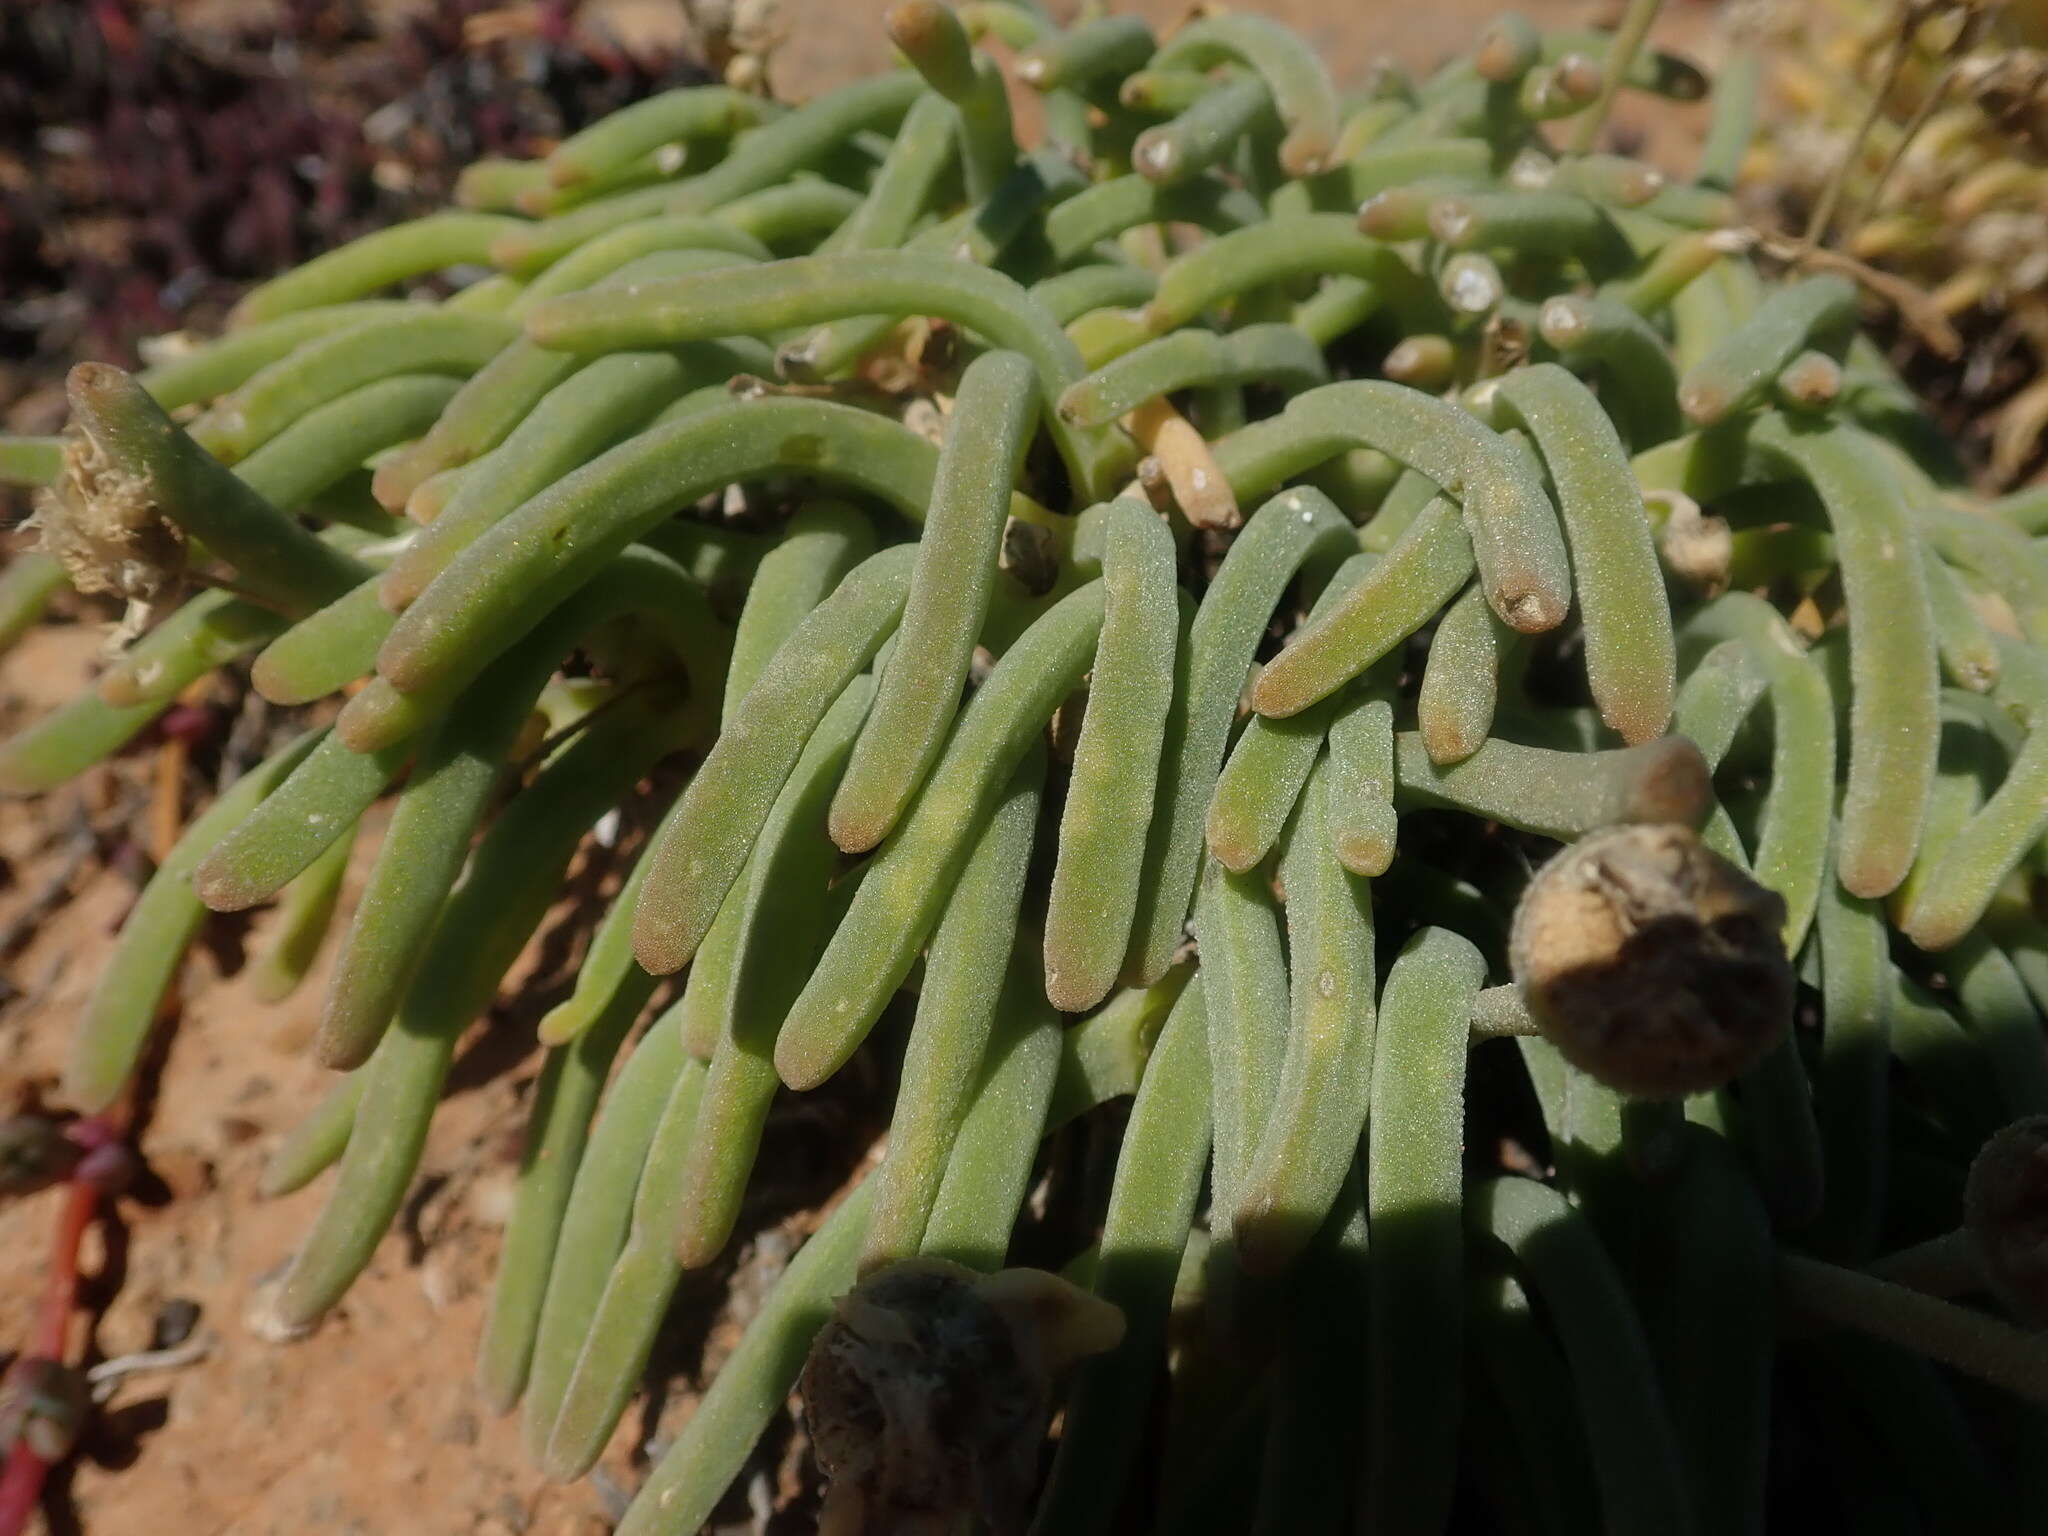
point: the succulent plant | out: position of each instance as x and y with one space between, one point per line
1147 601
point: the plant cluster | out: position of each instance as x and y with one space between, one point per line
1134 610
1911 136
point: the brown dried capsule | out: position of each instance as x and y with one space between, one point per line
103 523
2005 1214
1697 547
1652 963
928 1394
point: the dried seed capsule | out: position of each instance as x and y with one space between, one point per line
928 1394
2005 1213
1651 963
136 485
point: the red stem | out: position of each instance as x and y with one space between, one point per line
21 1485
21 1481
